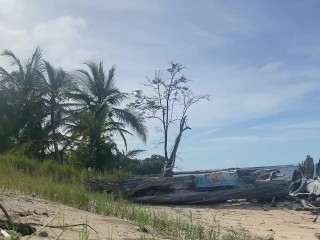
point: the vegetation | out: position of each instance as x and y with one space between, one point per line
170 103
60 183
46 112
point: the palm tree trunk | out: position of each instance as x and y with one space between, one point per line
53 129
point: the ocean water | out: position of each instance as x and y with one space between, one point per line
287 171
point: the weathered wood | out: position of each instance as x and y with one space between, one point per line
318 169
162 185
297 175
184 190
307 167
5 212
304 186
23 229
259 190
180 190
138 186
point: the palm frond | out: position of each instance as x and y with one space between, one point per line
94 69
14 59
110 83
134 153
4 73
51 72
133 121
124 139
116 97
82 97
36 60
87 75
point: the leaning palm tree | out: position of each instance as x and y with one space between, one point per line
97 91
25 88
57 84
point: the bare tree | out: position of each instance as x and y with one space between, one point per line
169 104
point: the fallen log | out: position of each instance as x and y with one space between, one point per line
182 190
162 185
139 186
259 190
245 176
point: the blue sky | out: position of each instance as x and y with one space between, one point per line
260 61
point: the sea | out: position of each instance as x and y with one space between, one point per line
285 170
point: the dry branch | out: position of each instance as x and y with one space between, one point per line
23 229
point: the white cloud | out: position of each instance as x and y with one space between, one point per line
240 94
246 139
284 126
272 66
64 41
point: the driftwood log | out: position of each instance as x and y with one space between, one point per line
259 190
305 184
182 190
141 186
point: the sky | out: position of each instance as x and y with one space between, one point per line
259 61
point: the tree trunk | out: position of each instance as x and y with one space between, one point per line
53 129
168 171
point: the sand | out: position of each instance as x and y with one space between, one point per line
43 212
280 223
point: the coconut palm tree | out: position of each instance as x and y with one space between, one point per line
25 90
97 91
92 133
57 84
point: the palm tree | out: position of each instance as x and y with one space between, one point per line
97 115
100 95
57 83
25 88
91 134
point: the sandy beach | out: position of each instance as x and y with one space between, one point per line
280 223
41 212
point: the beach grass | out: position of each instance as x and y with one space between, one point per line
65 184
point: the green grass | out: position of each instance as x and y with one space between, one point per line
64 184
